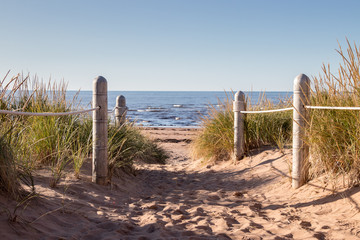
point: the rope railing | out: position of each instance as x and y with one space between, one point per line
269 111
308 107
332 108
115 108
301 116
47 114
100 125
111 110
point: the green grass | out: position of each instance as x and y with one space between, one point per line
29 142
216 138
272 129
126 145
334 136
9 175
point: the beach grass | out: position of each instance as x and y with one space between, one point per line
30 142
215 140
334 135
9 175
126 145
268 129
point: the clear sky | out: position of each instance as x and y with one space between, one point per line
189 45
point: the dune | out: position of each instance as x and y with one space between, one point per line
186 199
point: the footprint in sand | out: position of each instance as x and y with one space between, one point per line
199 212
213 197
181 210
230 221
108 225
206 228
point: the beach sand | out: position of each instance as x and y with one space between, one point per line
186 199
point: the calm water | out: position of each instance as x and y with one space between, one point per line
178 109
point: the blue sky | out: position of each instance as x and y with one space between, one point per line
187 45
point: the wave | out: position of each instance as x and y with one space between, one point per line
152 109
155 109
178 105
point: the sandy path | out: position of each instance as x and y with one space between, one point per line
189 200
250 200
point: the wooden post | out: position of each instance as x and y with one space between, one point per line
239 132
300 120
100 133
120 110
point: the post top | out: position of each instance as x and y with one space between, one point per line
100 85
239 96
301 82
100 79
120 100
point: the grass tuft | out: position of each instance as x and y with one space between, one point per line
215 141
127 144
56 142
334 136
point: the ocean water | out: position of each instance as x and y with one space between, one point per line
171 109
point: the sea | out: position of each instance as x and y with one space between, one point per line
171 108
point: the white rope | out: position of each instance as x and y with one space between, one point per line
112 110
333 108
268 111
47 113
126 108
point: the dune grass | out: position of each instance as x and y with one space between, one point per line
272 129
30 142
9 176
216 138
126 144
333 135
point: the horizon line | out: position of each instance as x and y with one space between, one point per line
185 90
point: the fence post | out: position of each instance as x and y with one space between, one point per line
239 132
120 110
300 120
100 134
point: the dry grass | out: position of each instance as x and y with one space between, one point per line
334 135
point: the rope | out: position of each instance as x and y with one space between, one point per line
121 108
111 110
333 108
47 113
269 111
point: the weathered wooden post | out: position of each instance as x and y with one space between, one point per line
120 110
300 120
239 131
100 133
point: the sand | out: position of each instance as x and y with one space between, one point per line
187 199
